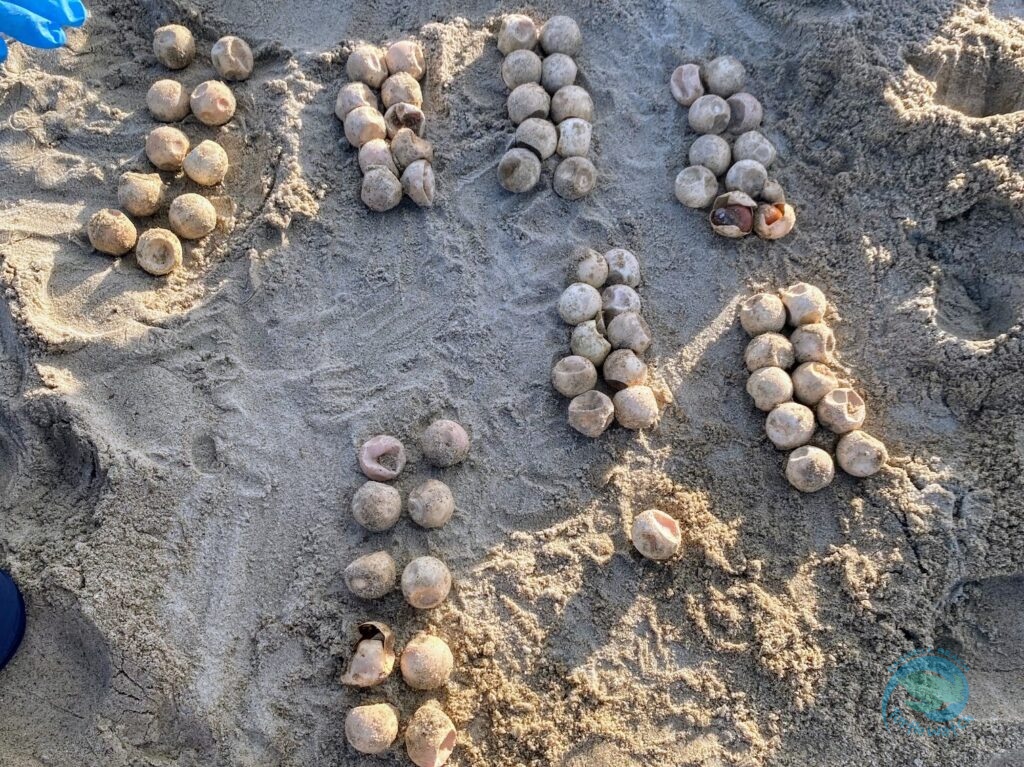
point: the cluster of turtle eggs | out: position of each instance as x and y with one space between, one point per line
811 394
191 216
551 113
394 157
719 107
609 333
427 662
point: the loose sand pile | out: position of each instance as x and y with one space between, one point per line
177 456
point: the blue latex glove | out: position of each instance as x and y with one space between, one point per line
39 22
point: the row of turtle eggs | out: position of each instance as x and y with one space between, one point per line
426 664
158 251
790 424
551 113
609 333
394 157
727 109
427 661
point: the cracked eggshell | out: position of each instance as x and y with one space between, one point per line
430 737
418 183
790 425
732 214
686 84
578 303
762 313
773 221
573 375
696 187
861 455
813 342
158 252
623 369
587 341
374 657
804 303
810 469
537 135
656 535
403 115
745 113
812 381
407 148
841 410
769 350
591 413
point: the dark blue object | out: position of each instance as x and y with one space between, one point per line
12 618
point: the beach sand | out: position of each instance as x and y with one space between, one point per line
177 456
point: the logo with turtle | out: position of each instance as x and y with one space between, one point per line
927 693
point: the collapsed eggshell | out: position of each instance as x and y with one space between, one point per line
769 350
352 96
588 341
403 115
623 368
158 252
382 457
232 58
805 303
592 268
213 103
406 56
686 85
841 410
813 342
656 535
418 183
430 737
374 657
745 113
538 135
629 331
407 148
591 413
812 381
617 299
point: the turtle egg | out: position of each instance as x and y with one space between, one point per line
745 113
592 268
427 662
747 176
431 504
813 342
686 85
623 369
430 736
382 458
364 124
376 154
805 303
861 455
573 375
418 183
578 303
616 299
725 76
629 331
709 114
696 187
773 221
401 88
166 147
762 313
376 506
174 46
381 190
352 96
537 135
374 656
790 425
407 148
557 71
591 413
521 67
140 194
112 232
406 56
587 341
426 582
636 407
444 443
572 101
403 115
575 178
769 387
732 214
526 101
812 381
810 469
371 576
574 137
158 252
656 535
752 145
168 101
366 64
712 152
192 216
372 729
213 103
517 32
841 410
623 267
206 164
769 350
519 170
560 34
232 58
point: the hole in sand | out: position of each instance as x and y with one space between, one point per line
978 75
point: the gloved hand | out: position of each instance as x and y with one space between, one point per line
39 22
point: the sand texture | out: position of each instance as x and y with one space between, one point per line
177 455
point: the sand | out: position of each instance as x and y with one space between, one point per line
177 456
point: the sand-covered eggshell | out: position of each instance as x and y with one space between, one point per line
367 64
168 101
841 410
371 576
517 32
762 313
110 231
519 170
352 96
709 114
192 216
812 381
561 34
207 164
810 469
166 147
592 268
376 506
636 407
591 413
430 736
537 135
573 375
521 67
427 662
431 504
790 425
572 101
696 187
140 194
526 101
861 455
174 46
158 252
768 387
725 76
557 71
406 56
813 342
575 178
371 729
213 103
232 58
426 582
445 443
769 350
656 535
381 190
